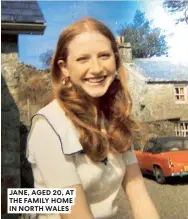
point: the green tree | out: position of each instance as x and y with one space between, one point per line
145 40
177 6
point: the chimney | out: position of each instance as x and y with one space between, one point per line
125 49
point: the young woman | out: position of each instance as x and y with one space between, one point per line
83 138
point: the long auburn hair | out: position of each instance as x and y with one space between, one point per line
114 111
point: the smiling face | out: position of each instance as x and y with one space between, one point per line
90 63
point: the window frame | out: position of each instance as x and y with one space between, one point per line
185 93
179 131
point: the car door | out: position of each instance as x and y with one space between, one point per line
147 156
185 147
156 157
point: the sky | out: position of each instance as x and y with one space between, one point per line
59 14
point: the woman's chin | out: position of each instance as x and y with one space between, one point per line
97 93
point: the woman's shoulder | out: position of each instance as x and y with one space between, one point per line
51 108
53 118
53 114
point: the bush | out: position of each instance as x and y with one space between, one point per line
34 85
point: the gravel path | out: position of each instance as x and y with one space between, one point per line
171 200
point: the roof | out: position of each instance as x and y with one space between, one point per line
161 69
22 17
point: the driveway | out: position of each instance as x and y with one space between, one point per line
171 200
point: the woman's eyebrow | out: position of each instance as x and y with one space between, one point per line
88 54
82 54
107 51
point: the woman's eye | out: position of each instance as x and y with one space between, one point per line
105 55
81 59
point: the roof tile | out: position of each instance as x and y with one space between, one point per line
160 69
7 17
21 12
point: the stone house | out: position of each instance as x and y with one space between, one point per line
159 88
17 17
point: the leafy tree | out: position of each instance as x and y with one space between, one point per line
145 40
177 6
46 58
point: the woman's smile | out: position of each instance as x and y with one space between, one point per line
95 80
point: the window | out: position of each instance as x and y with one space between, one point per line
173 145
181 129
149 147
181 94
157 149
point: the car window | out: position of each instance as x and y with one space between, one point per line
173 145
149 147
157 149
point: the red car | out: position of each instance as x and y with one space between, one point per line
164 157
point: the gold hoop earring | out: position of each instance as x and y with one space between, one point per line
65 80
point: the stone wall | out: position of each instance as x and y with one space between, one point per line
154 104
161 101
138 90
10 120
160 128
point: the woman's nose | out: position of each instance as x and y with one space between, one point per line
96 66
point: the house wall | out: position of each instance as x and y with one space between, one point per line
10 119
138 90
160 128
160 100
155 104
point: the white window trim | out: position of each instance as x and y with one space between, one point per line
185 87
181 129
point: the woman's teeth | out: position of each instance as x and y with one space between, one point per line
95 80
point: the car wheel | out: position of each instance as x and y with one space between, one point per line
159 176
